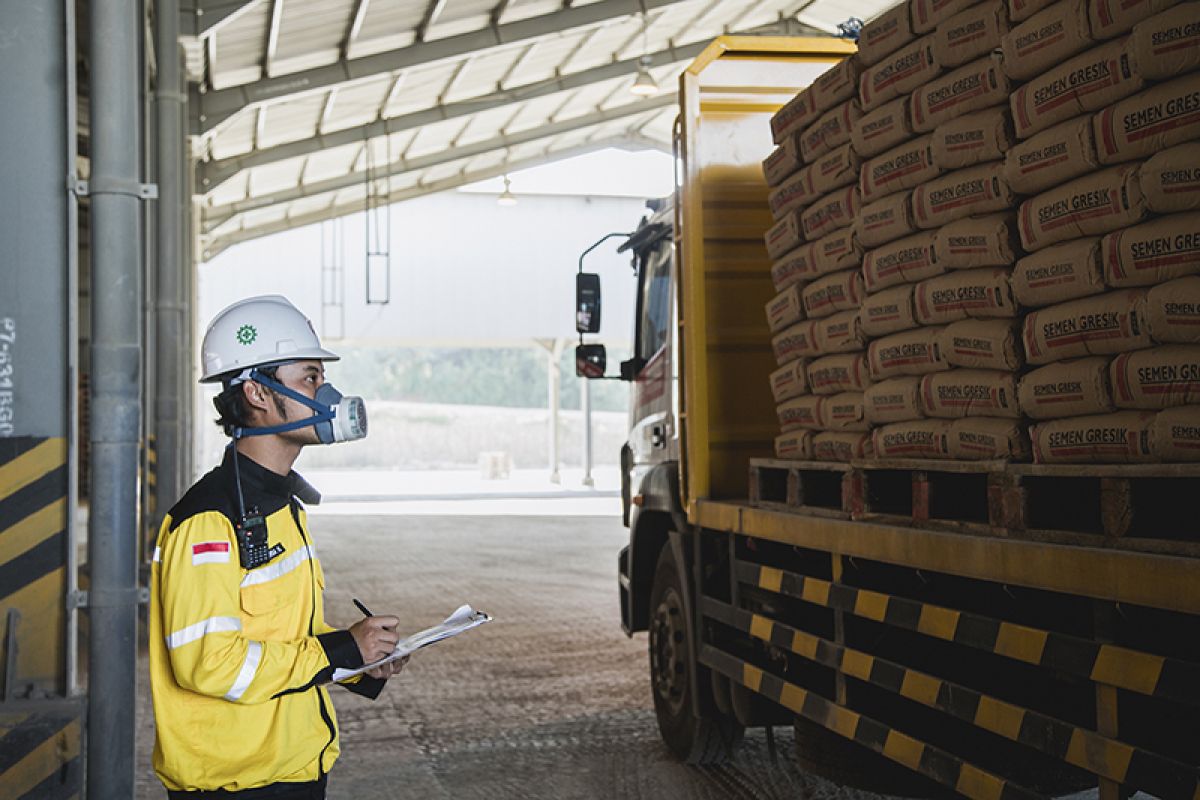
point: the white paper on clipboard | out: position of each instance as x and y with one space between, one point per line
463 619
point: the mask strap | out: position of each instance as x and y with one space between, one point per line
323 413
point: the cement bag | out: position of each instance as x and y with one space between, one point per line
1161 377
1088 82
1109 18
841 446
893 400
796 445
923 438
1167 44
882 129
1052 157
795 267
988 241
1103 325
983 344
844 412
783 162
830 131
969 393
795 116
840 291
837 84
969 34
796 192
926 14
1019 10
973 138
841 373
970 293
840 333
1173 311
1176 434
988 440
835 169
1153 252
837 251
1157 118
915 352
902 167
980 84
796 342
885 34
1046 39
1097 203
889 311
831 212
1120 438
968 192
1074 388
903 261
898 74
804 412
1170 181
1058 273
886 220
785 309
790 380
785 235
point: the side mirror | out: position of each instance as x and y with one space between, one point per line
591 360
631 368
587 302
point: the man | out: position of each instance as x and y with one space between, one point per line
239 649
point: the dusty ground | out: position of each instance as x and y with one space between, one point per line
549 701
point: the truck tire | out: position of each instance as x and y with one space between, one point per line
692 739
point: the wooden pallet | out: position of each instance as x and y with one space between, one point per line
1145 507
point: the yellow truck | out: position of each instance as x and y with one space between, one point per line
993 630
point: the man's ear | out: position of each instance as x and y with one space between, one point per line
256 397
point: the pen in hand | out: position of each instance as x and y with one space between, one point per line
362 608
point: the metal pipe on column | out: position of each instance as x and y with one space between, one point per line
169 271
585 404
115 42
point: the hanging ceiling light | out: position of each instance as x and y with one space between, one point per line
507 198
644 84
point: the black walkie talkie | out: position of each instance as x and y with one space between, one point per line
251 531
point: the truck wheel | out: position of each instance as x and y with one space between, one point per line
695 740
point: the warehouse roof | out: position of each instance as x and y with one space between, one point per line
304 107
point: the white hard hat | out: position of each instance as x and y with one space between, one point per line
257 331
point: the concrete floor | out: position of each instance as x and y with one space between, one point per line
550 700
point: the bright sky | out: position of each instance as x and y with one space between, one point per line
605 173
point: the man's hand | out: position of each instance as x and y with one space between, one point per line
376 637
389 669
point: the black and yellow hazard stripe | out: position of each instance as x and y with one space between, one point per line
33 548
1107 758
40 752
1156 676
945 768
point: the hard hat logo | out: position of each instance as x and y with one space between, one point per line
246 335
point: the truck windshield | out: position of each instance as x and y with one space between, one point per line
655 323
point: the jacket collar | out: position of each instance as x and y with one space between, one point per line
268 488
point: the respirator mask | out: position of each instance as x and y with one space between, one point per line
336 418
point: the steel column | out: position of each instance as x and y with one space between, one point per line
169 306
115 39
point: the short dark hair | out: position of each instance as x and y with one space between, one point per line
232 411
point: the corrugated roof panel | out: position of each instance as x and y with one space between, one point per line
275 177
455 11
524 9
606 41
235 138
826 14
326 164
486 125
482 74
308 205
313 27
390 19
435 138
287 122
421 88
358 104
240 47
231 191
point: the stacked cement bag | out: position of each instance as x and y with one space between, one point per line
816 257
938 228
1109 165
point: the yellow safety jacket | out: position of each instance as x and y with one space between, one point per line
238 658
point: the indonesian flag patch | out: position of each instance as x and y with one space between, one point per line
210 553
